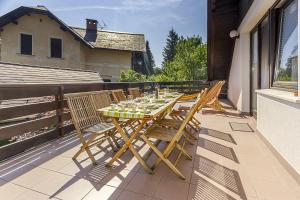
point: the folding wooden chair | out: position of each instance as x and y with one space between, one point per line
118 95
172 137
194 123
86 120
217 88
135 92
216 104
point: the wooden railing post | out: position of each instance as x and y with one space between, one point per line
59 98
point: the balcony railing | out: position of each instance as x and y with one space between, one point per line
43 115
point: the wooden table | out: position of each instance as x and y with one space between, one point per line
155 114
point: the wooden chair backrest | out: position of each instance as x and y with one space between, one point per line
118 95
101 99
220 88
135 92
215 91
206 96
82 110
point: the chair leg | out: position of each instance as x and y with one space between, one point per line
109 139
113 137
147 156
185 153
85 147
190 135
161 156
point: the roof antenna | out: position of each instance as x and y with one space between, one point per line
102 25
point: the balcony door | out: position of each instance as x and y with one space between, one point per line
254 73
260 62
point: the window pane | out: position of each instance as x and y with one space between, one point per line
56 48
26 44
287 62
264 61
254 71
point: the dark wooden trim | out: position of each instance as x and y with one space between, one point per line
18 92
24 110
19 147
9 131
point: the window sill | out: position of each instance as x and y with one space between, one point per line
55 58
279 94
25 55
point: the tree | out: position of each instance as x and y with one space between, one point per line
170 48
151 62
190 61
131 76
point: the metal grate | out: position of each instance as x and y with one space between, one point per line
222 150
243 127
205 190
226 177
218 134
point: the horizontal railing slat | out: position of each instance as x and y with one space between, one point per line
18 147
27 109
7 132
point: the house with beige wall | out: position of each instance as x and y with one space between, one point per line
35 36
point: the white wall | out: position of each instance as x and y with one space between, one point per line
239 78
239 81
279 122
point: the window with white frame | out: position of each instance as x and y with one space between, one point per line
286 67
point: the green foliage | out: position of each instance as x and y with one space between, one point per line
189 63
131 76
157 70
170 48
151 62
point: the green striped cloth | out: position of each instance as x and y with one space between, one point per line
138 114
124 114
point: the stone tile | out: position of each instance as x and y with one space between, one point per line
33 177
172 190
145 184
273 190
104 192
74 190
54 183
128 195
9 191
56 163
119 179
30 195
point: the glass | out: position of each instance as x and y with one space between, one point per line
264 58
254 71
287 57
130 98
146 94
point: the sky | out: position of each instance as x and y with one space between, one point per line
154 18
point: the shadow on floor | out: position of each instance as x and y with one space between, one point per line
220 174
226 114
218 134
219 149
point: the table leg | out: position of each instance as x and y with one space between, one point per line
128 144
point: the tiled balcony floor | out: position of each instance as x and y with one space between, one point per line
225 165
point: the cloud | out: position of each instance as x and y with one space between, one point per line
127 5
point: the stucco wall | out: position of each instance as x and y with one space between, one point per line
107 62
279 122
75 54
239 78
42 28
